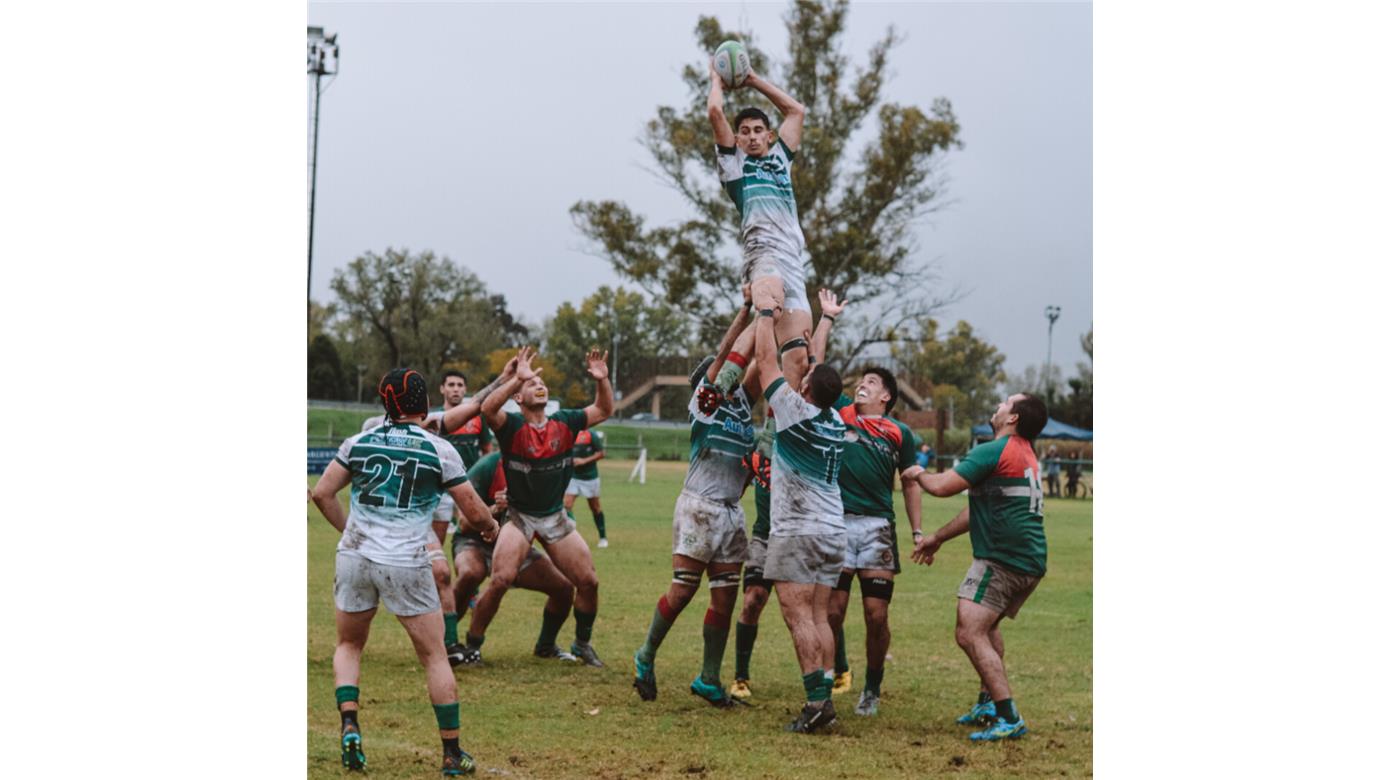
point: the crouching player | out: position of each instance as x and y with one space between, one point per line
397 474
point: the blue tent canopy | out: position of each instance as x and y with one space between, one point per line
1054 429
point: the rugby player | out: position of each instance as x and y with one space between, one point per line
1006 516
757 176
397 473
707 527
589 448
471 554
806 546
537 451
878 449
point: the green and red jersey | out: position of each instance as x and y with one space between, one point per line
1006 508
469 440
878 448
585 444
539 460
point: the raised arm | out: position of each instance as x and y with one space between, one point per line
741 321
793 112
765 348
491 413
602 406
462 413
830 311
724 134
948 483
914 508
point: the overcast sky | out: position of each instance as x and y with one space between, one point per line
470 129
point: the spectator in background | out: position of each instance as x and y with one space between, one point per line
923 456
1072 474
1052 471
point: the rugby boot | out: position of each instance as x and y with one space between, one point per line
352 754
1000 729
457 764
645 680
842 682
711 693
555 653
981 714
869 704
740 690
586 654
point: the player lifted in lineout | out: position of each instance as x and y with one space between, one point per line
538 453
756 175
397 473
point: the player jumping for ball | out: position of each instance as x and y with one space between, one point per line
538 453
757 177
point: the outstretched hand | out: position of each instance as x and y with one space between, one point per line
925 548
829 305
523 358
598 364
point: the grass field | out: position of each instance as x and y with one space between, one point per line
525 718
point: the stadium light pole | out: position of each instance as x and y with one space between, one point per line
1052 313
322 59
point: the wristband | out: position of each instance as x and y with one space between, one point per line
765 312
918 534
826 316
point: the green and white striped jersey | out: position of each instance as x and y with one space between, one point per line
806 497
718 444
762 189
398 472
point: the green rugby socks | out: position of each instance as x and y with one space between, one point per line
744 637
873 678
731 373
661 620
549 628
583 625
817 685
602 525
450 633
842 665
716 634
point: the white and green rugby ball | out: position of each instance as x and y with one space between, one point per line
732 63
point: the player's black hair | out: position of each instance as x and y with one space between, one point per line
887 379
751 113
825 385
453 372
1030 416
405 393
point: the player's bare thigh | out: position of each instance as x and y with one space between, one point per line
571 555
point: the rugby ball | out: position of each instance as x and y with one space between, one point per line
732 63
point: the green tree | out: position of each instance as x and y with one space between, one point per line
959 367
856 208
325 377
643 335
419 311
1077 406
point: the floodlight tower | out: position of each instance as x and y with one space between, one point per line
322 59
1052 313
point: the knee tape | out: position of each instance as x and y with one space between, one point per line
877 588
754 577
687 578
844 583
797 343
728 579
